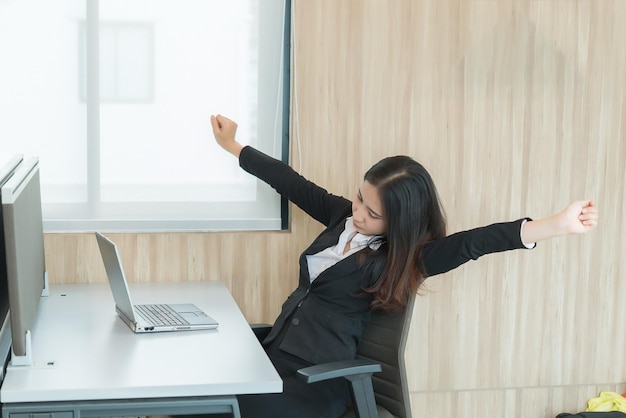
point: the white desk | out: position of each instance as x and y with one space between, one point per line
85 355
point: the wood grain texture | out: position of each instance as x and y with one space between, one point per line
536 402
516 107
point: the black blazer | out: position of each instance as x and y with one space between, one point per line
324 320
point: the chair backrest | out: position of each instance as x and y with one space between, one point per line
384 341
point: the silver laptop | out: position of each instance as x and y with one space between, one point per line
148 317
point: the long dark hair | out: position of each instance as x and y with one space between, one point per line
413 216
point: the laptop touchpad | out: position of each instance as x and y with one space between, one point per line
193 317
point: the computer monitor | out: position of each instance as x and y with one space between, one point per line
24 250
7 167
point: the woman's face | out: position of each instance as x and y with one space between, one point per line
367 211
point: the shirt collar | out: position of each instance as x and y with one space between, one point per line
358 240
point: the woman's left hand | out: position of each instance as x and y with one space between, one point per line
580 217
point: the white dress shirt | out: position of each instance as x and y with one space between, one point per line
332 255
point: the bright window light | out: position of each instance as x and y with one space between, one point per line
114 97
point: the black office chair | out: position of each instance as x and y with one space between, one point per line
377 376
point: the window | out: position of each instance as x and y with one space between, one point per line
115 99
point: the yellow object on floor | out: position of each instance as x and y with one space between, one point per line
607 401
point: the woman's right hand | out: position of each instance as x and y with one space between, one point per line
224 131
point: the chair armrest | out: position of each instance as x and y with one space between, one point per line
349 369
359 374
261 330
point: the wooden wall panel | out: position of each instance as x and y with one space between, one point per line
536 402
516 107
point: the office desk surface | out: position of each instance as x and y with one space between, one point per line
83 351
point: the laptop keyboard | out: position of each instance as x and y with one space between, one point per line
160 315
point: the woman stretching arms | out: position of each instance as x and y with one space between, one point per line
373 254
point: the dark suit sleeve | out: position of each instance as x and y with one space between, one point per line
450 252
308 196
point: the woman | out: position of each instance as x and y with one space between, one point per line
374 253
